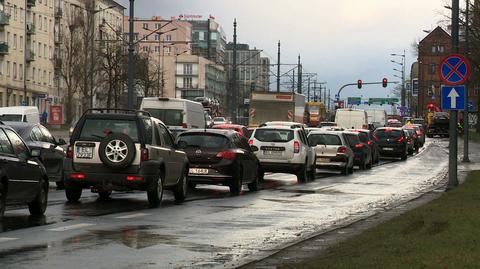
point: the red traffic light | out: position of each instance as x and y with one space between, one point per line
384 82
359 83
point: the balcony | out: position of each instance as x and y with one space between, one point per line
30 56
30 3
58 38
58 12
57 63
30 28
3 48
4 18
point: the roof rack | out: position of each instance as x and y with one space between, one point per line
117 110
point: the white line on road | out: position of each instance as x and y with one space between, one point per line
70 227
131 216
5 239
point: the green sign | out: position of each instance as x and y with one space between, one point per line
382 101
354 100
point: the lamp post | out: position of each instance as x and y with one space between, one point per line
402 64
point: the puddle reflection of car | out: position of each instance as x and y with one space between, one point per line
220 157
52 154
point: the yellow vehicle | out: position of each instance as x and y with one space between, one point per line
315 113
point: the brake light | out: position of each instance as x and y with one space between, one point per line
134 178
296 147
184 125
359 146
229 155
144 156
79 176
70 152
364 126
250 142
401 139
342 150
370 143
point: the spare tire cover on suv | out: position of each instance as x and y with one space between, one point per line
117 150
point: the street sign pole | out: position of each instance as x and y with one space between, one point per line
452 159
465 159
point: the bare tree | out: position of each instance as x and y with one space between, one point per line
111 73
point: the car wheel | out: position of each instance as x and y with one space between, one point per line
302 174
180 192
410 151
404 156
60 184
345 170
38 206
104 195
155 195
350 170
73 193
191 185
117 150
363 165
236 183
3 199
370 164
312 173
255 184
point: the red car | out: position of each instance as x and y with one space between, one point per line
242 130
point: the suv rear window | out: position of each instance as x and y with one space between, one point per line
327 139
352 139
274 135
170 117
204 140
97 129
386 134
363 137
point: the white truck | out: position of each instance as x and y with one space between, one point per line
20 113
350 118
273 106
377 117
175 112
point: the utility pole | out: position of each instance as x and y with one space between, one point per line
25 51
466 126
452 158
299 83
308 93
208 40
328 100
278 67
131 49
92 49
293 81
234 74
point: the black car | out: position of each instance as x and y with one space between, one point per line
220 157
23 179
392 142
362 152
52 154
367 138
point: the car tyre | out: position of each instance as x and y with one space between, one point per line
38 206
350 170
3 199
302 174
104 195
155 194
180 192
404 156
255 184
346 170
113 146
236 184
73 193
60 184
370 164
192 185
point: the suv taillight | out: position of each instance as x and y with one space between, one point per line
359 146
70 152
342 150
229 155
296 147
250 142
401 139
144 156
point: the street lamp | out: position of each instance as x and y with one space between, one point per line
402 64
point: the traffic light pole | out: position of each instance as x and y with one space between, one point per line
363 83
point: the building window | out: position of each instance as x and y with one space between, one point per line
432 68
157 48
14 41
45 25
135 36
21 43
441 49
145 49
8 68
168 38
145 26
168 50
145 37
14 70
157 37
39 22
187 83
187 69
20 71
157 26
33 74
434 49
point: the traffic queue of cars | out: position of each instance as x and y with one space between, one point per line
130 150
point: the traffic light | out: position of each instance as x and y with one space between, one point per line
384 82
359 83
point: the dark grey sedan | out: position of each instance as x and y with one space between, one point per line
36 136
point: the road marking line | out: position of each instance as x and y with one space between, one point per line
131 216
70 227
5 239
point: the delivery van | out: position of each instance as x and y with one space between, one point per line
350 118
175 112
20 113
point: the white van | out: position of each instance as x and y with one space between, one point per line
350 118
20 113
175 112
377 117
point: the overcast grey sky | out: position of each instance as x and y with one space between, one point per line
341 40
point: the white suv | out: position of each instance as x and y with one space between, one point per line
284 149
332 151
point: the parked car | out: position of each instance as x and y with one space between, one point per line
392 142
220 157
175 112
52 155
362 152
123 150
219 120
366 137
23 179
20 113
242 130
331 151
284 149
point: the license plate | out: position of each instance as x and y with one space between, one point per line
198 171
387 148
273 153
323 160
84 152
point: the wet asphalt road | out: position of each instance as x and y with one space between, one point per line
211 229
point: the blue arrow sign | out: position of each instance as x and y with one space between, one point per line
453 97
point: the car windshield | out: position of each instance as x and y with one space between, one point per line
219 119
273 135
386 133
97 129
10 117
324 139
170 117
203 140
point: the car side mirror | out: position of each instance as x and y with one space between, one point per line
61 142
182 144
35 153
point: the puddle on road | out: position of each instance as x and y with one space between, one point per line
16 222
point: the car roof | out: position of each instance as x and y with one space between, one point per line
325 132
228 125
225 132
281 127
284 123
390 128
